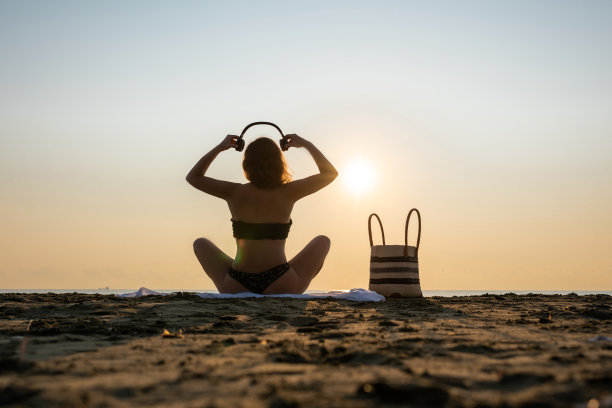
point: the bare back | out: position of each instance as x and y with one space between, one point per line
255 205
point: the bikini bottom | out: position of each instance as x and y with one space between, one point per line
258 282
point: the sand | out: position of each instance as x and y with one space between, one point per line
76 350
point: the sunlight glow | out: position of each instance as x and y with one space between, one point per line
358 176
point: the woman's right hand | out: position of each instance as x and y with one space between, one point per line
294 140
229 142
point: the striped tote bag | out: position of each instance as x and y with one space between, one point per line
394 269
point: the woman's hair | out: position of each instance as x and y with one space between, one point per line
264 165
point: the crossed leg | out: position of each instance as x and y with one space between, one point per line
306 265
214 261
309 261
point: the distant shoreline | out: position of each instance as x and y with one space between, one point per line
426 293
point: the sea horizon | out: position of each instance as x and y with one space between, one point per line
426 293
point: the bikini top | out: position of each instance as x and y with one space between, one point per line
250 230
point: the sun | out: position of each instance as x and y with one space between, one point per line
358 176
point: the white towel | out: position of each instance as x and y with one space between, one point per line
357 295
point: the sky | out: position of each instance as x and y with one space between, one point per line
492 118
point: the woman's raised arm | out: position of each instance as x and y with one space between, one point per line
327 172
217 188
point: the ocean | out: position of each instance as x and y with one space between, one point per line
426 293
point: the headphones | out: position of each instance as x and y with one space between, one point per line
240 142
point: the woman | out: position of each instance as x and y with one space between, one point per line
261 219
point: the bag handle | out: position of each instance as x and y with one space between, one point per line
406 231
382 231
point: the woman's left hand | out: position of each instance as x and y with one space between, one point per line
294 140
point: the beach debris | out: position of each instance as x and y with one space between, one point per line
598 313
12 355
546 319
400 393
291 357
601 402
593 403
168 335
229 341
16 393
303 321
24 342
279 402
308 329
600 338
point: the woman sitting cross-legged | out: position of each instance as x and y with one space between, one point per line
261 219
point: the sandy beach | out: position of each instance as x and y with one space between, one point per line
76 350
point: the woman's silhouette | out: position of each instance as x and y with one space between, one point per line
261 218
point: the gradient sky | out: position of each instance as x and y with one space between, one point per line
493 118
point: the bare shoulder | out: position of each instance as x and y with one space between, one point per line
218 188
239 192
298 189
